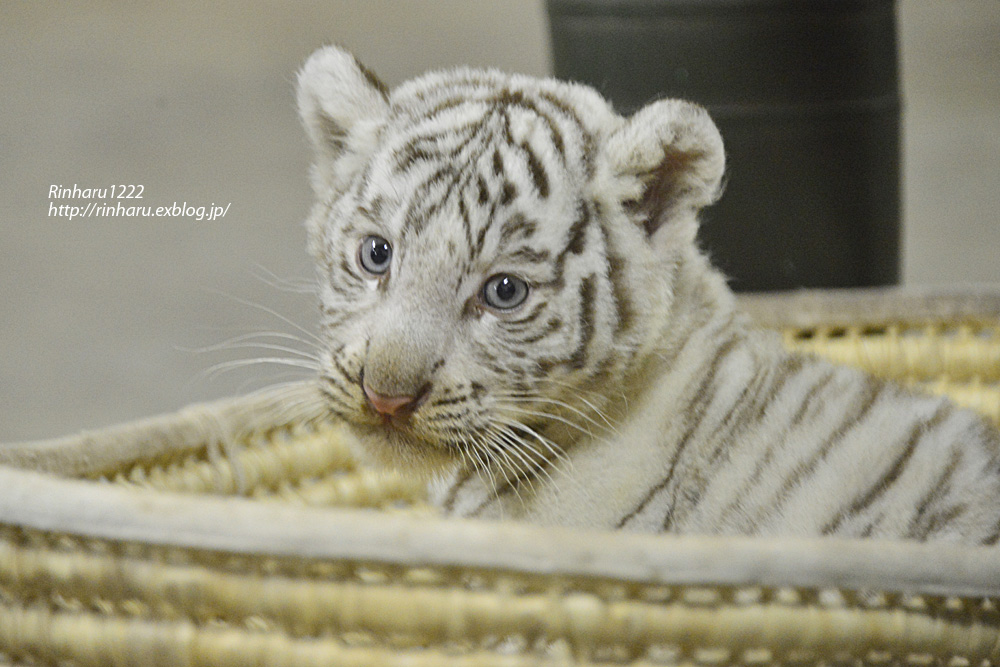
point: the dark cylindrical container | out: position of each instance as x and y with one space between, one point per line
805 93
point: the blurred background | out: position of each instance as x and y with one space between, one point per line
107 319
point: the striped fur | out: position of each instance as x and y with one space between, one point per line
625 391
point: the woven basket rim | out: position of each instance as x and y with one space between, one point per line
97 451
875 306
47 503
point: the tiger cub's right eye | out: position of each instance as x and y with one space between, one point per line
504 292
375 255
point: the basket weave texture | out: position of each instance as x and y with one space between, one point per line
243 532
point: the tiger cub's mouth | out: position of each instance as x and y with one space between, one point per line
396 443
396 432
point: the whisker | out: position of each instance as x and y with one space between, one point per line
513 471
251 385
474 451
546 415
245 340
512 439
518 446
599 412
579 393
225 366
271 312
574 387
269 346
545 442
295 285
558 454
514 398
518 469
305 408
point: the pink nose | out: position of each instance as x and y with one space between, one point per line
389 405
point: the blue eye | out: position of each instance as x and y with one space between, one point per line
504 292
375 255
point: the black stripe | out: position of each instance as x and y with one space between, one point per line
334 382
484 192
942 483
586 323
439 415
994 536
508 193
477 246
528 254
333 132
870 393
555 133
449 502
942 519
373 80
442 106
422 207
624 312
517 99
727 432
518 225
936 492
810 397
335 405
693 411
578 230
419 200
463 212
350 268
426 146
456 429
586 139
334 319
409 155
538 175
527 319
889 477
344 371
329 311
870 526
749 407
373 210
692 495
790 368
575 244
551 327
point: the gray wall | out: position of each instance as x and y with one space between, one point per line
102 319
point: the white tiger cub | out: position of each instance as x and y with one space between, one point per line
515 305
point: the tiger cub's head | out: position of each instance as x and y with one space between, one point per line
495 254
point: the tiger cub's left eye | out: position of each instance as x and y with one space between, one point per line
375 254
504 292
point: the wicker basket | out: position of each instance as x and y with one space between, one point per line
243 533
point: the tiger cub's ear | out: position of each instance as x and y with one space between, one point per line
341 104
671 158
